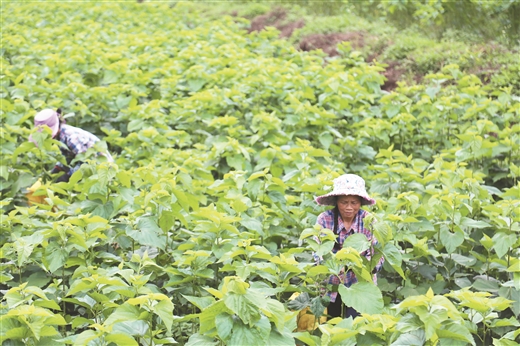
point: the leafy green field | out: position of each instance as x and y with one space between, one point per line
197 233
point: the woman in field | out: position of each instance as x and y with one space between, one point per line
75 141
346 219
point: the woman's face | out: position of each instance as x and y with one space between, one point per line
348 206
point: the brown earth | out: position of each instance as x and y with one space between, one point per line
277 19
326 42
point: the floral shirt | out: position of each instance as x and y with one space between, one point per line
77 141
326 220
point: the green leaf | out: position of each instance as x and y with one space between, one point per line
451 240
382 232
240 305
455 331
278 339
224 324
470 223
121 339
357 241
15 334
250 335
50 304
147 237
165 311
201 340
200 302
317 307
321 249
124 313
196 84
275 311
4 172
325 139
56 256
85 337
484 285
394 258
80 285
503 242
308 339
364 297
300 302
417 337
207 316
110 77
252 224
166 220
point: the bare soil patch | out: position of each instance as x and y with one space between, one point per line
393 74
326 42
276 18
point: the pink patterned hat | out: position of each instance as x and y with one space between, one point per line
347 184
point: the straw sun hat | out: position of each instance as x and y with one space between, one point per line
347 184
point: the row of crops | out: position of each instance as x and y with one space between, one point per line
197 233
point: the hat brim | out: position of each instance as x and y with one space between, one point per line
54 129
330 199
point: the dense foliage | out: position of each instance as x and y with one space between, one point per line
198 233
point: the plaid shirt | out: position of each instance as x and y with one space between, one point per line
77 141
326 220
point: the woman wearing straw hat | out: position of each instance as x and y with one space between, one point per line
345 219
75 139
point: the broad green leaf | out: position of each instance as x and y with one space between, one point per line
300 302
85 337
250 335
357 241
278 339
201 340
470 223
413 338
321 248
166 220
451 240
80 285
240 305
382 232
503 242
393 257
55 256
124 313
207 316
200 302
311 340
252 224
364 297
317 270
224 324
165 311
275 311
121 339
456 331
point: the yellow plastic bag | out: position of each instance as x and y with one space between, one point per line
31 198
305 320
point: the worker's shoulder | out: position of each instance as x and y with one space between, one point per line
70 130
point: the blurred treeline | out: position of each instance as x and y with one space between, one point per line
497 20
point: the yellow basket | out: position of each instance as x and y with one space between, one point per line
31 198
305 320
